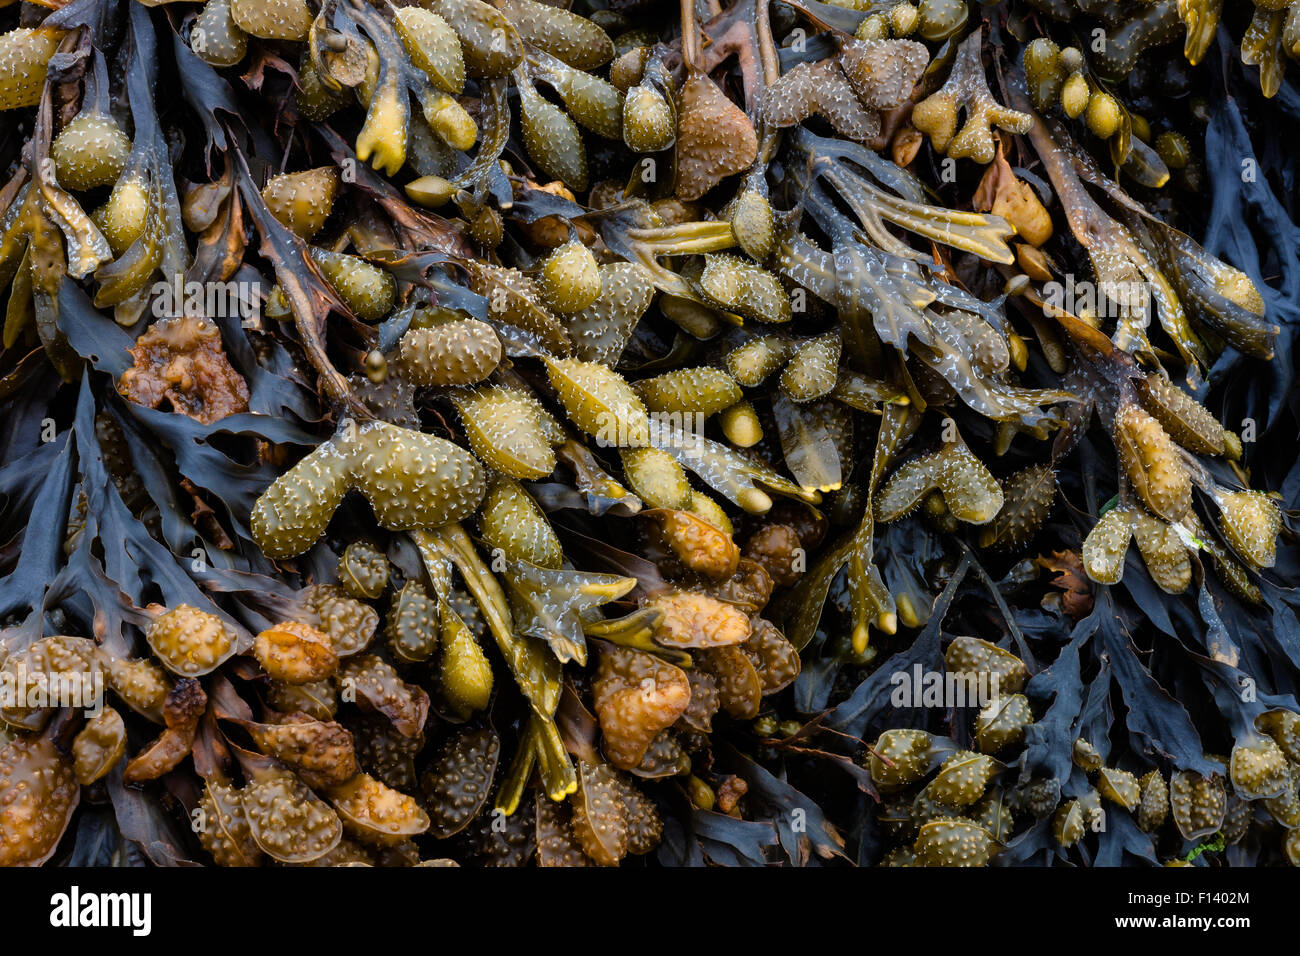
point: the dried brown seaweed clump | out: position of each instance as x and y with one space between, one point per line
850 89
181 361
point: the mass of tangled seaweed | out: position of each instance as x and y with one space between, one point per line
489 433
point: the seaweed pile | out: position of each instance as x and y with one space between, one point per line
496 434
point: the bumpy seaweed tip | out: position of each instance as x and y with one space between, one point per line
24 54
967 89
412 480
